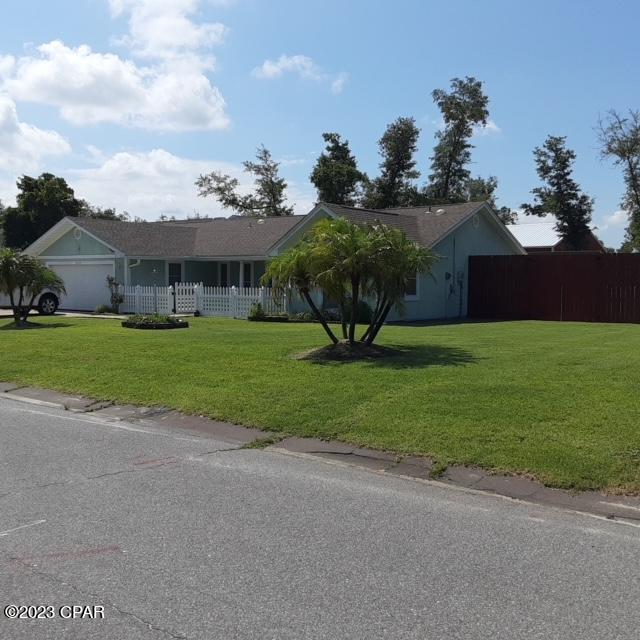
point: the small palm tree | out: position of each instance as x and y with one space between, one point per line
350 262
397 261
23 278
347 251
297 269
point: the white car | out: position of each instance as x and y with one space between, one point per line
46 304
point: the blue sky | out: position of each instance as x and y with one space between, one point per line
131 99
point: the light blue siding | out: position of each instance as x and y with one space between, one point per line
84 245
205 272
119 273
441 296
147 273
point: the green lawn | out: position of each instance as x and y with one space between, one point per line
559 401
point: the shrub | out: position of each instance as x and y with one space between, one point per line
148 318
103 308
154 321
304 316
114 292
363 314
256 312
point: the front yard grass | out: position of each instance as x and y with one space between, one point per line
555 400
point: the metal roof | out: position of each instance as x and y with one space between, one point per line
535 234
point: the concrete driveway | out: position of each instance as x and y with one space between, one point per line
177 535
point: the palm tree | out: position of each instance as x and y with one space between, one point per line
347 250
23 278
297 268
348 260
396 261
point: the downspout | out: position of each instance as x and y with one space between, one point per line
131 266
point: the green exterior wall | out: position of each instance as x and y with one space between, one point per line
258 272
205 272
67 245
148 273
440 297
119 270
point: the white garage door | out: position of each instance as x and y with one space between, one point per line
86 284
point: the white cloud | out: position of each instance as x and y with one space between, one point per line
23 145
170 92
90 87
164 29
157 182
339 83
618 218
488 129
304 67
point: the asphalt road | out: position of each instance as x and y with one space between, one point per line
180 536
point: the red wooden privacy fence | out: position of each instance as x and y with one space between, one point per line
556 286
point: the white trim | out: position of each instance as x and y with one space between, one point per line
77 256
199 258
415 296
49 237
67 263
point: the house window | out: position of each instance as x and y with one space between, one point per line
224 274
175 273
412 287
247 275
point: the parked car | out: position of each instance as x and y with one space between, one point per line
46 304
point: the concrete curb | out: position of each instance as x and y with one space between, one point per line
626 508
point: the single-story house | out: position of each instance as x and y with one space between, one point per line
541 237
234 251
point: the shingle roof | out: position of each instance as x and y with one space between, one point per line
197 238
245 236
424 225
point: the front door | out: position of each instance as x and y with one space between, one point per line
175 273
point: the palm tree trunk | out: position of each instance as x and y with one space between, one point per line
355 291
319 316
343 318
383 317
380 304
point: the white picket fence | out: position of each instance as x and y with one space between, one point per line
232 302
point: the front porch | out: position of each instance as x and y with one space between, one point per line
211 273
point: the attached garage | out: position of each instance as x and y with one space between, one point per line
85 282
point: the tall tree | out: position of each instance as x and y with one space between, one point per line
41 202
462 108
268 198
620 140
477 189
394 187
2 212
108 213
560 195
335 175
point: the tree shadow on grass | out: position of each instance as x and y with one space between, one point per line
392 356
11 326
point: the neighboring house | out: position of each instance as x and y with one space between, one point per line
539 237
233 251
